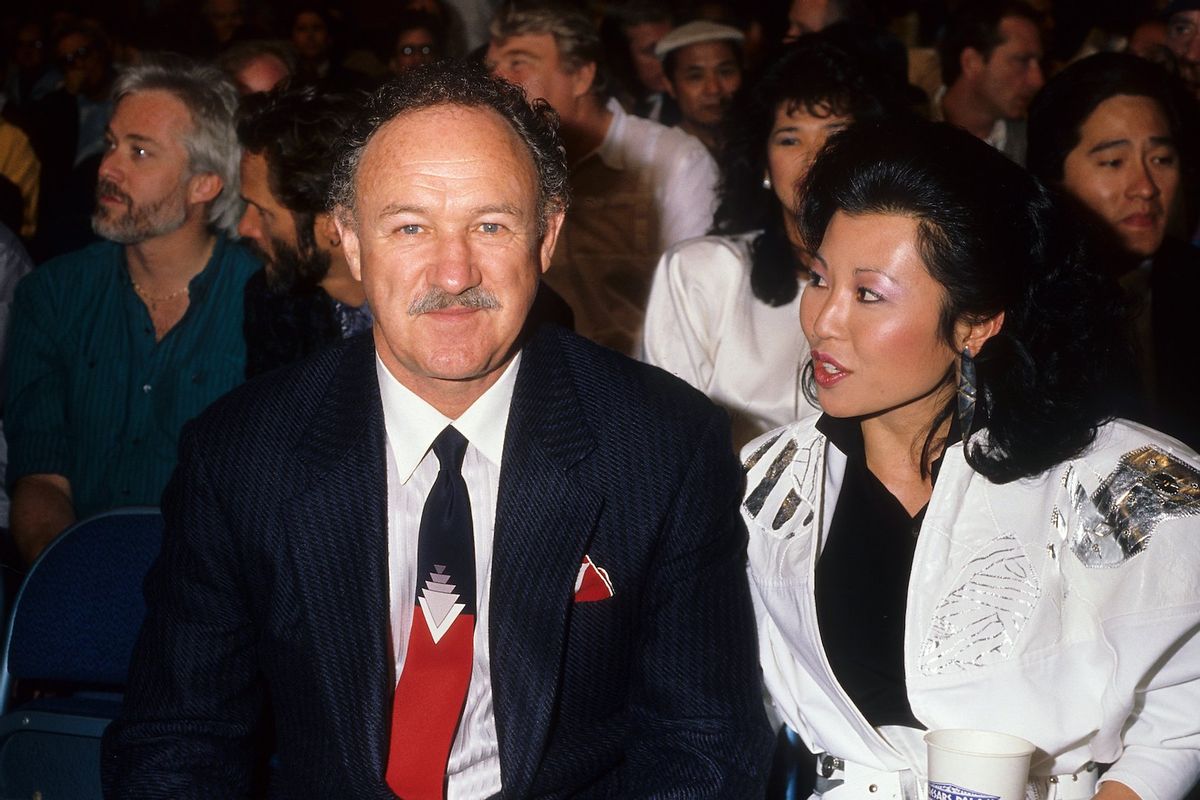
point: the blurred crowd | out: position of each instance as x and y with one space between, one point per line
688 127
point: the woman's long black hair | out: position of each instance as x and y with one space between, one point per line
997 240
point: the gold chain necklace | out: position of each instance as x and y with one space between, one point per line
142 293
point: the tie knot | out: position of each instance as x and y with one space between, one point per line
450 446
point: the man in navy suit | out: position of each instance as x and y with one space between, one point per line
603 643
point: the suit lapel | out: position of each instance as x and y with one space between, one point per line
544 520
337 530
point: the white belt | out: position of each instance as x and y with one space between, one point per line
1072 786
838 779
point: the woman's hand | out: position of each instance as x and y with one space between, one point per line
1111 790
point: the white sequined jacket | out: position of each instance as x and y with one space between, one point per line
1064 608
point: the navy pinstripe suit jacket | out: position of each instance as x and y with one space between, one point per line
273 582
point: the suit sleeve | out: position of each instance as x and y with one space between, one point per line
195 697
701 728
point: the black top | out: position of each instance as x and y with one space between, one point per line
862 583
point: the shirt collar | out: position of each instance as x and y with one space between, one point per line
998 138
412 424
845 433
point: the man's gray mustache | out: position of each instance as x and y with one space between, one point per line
437 299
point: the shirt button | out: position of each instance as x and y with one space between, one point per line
146 388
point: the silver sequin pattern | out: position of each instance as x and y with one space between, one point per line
978 621
1114 523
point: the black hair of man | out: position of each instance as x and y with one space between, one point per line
977 26
297 131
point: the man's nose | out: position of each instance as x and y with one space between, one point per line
248 226
1037 78
1143 185
453 269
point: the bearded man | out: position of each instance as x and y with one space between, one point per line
114 347
305 297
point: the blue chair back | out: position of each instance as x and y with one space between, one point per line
79 611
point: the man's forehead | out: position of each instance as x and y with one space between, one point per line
541 44
718 51
1020 31
1184 18
153 114
445 133
72 42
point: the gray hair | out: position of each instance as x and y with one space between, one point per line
575 35
447 83
212 144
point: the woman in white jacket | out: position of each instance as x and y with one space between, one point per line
965 538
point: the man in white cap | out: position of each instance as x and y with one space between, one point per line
702 61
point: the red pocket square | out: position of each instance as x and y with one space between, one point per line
592 583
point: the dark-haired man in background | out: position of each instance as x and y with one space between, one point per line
305 297
991 57
461 556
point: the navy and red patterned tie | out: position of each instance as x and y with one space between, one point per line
432 690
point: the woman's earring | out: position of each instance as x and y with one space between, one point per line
966 392
767 181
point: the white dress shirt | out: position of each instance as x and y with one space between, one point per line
412 424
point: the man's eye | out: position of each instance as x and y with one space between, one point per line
140 152
490 227
410 230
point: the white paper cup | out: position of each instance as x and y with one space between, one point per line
977 765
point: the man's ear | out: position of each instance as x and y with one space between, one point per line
971 62
582 79
325 231
973 334
344 224
203 187
550 238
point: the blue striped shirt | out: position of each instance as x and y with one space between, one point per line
92 396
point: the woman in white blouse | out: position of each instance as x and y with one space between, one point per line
722 310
